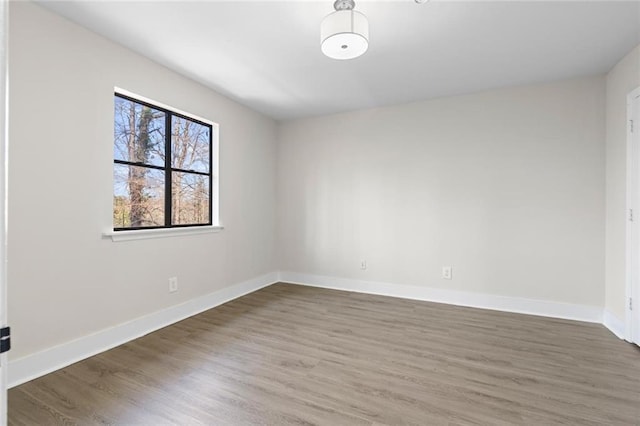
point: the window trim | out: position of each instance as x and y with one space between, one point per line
149 233
214 190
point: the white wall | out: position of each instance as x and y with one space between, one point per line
506 186
4 44
65 280
621 80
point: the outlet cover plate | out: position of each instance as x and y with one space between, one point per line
173 284
447 272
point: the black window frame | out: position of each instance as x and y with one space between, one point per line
168 168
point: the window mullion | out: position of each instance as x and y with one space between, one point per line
168 214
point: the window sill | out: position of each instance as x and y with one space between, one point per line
144 234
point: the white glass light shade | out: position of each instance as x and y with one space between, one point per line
344 34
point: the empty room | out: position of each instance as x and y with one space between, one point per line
320 212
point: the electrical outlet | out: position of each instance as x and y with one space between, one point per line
447 272
363 264
173 284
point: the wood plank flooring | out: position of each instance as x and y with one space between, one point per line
298 355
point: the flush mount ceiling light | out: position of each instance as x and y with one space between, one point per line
344 34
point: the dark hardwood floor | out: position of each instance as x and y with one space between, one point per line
297 355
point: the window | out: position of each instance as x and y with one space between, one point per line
163 168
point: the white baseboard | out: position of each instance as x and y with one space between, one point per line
35 365
615 325
452 297
32 366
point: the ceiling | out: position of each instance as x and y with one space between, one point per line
266 54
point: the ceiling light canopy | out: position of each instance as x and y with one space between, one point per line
344 34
